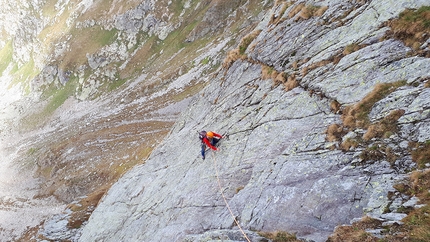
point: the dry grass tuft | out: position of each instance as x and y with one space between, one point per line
356 116
245 41
305 71
332 60
297 9
268 72
391 156
420 181
306 13
281 78
232 56
295 65
320 11
348 144
334 132
280 236
239 189
352 48
385 127
278 2
276 19
372 131
310 11
413 28
239 53
421 154
356 232
291 83
335 106
373 153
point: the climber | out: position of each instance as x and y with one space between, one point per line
209 139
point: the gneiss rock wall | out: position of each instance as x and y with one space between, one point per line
276 167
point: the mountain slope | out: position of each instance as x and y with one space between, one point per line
89 89
321 144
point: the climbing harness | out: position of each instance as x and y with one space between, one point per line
225 199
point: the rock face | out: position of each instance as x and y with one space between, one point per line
297 154
275 166
84 84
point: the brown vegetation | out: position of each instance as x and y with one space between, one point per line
420 185
82 210
280 236
291 83
352 48
31 234
245 41
335 132
385 127
296 10
373 153
310 11
348 144
335 106
417 223
413 28
268 72
356 232
356 116
307 11
421 154
239 52
232 56
281 78
277 18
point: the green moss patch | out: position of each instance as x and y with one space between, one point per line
24 74
60 96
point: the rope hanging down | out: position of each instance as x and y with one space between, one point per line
225 200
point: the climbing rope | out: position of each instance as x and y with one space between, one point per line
225 199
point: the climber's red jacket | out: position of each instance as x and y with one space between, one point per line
208 142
